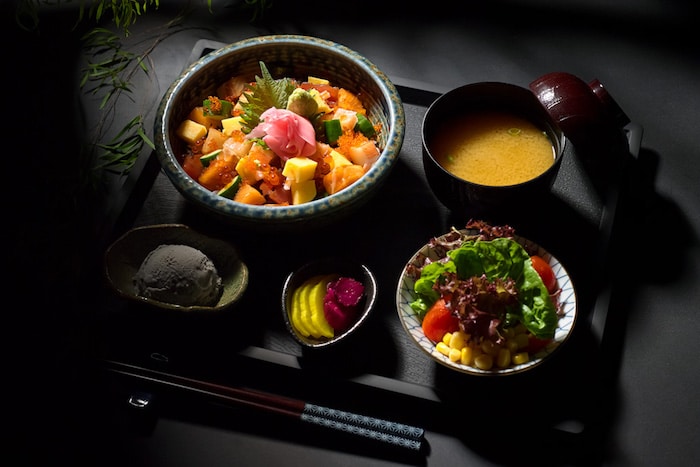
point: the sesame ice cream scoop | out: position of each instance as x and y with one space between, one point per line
178 274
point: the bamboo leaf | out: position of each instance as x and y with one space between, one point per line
106 98
142 65
146 139
100 8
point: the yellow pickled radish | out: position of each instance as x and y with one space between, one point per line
305 315
316 296
295 315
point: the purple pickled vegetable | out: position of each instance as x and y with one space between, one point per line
338 316
347 291
340 304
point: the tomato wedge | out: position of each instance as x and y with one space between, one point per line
438 321
535 344
545 271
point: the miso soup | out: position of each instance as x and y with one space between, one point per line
493 148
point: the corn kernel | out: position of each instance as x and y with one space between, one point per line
467 356
520 358
503 358
455 355
484 362
447 337
490 347
443 348
458 340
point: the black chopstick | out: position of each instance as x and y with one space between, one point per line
385 431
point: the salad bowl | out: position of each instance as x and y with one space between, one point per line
411 320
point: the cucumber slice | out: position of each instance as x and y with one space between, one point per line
364 126
230 189
207 158
333 130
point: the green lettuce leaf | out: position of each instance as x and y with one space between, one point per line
499 258
423 287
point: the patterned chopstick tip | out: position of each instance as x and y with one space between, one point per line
369 427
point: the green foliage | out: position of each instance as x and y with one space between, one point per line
124 13
107 74
109 69
267 93
120 154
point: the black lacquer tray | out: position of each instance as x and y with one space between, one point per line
381 371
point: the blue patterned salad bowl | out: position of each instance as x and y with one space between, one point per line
412 320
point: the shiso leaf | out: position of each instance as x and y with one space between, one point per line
266 93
